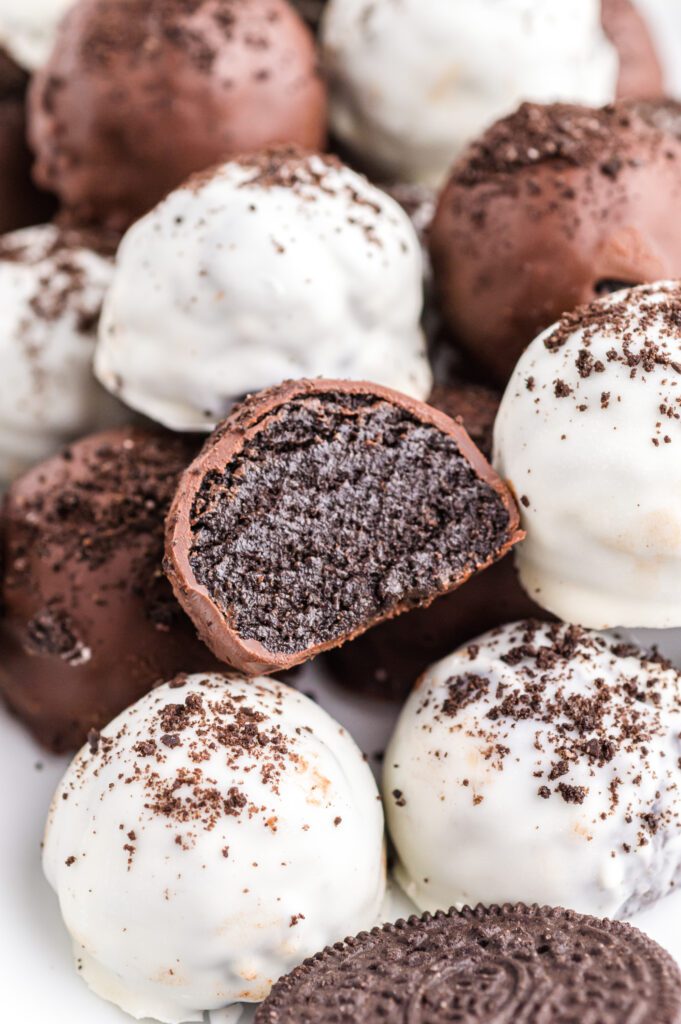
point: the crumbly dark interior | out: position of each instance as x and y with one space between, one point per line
341 508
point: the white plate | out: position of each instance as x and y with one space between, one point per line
39 982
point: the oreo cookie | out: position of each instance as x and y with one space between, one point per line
491 965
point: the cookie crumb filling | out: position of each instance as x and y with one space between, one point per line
315 513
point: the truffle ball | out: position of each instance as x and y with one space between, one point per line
138 94
280 265
640 75
28 29
212 837
539 764
589 437
320 508
90 622
51 289
412 82
552 207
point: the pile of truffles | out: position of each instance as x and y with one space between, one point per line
347 335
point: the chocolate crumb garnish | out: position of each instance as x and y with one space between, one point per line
464 690
581 732
565 136
645 323
572 794
206 724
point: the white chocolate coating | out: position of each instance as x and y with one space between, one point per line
539 776
28 29
594 454
224 830
50 299
412 83
284 267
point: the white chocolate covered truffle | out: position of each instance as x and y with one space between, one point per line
51 292
28 29
412 83
276 266
589 436
539 764
214 835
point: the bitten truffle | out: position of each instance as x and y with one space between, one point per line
52 285
208 840
589 437
412 83
321 508
90 622
539 764
138 94
278 265
535 965
552 207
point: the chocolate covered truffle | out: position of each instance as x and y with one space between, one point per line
552 207
282 264
52 283
491 965
540 763
321 508
412 83
90 622
589 437
138 94
208 840
640 73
